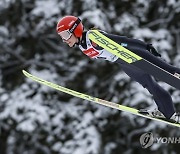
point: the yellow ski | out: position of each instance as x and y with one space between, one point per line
93 99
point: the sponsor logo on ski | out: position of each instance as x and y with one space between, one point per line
101 101
113 47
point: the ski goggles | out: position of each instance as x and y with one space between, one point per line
66 34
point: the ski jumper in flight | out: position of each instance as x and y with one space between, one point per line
71 30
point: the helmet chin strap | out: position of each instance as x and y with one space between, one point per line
74 45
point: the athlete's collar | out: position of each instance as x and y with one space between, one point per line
82 40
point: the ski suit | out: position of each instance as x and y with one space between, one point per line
161 97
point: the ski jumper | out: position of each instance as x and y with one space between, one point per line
161 97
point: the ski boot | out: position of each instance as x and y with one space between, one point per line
152 113
175 118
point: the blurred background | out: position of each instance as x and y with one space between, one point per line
35 119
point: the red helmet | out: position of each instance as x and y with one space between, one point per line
68 25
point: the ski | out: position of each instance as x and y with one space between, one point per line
133 59
94 99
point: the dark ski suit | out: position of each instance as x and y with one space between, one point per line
161 97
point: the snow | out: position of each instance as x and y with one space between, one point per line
27 126
57 146
147 33
91 144
125 21
89 4
173 3
90 81
47 9
4 97
96 18
143 32
109 147
4 31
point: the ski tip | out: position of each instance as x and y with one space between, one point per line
24 72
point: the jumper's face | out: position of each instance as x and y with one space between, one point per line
71 41
68 37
